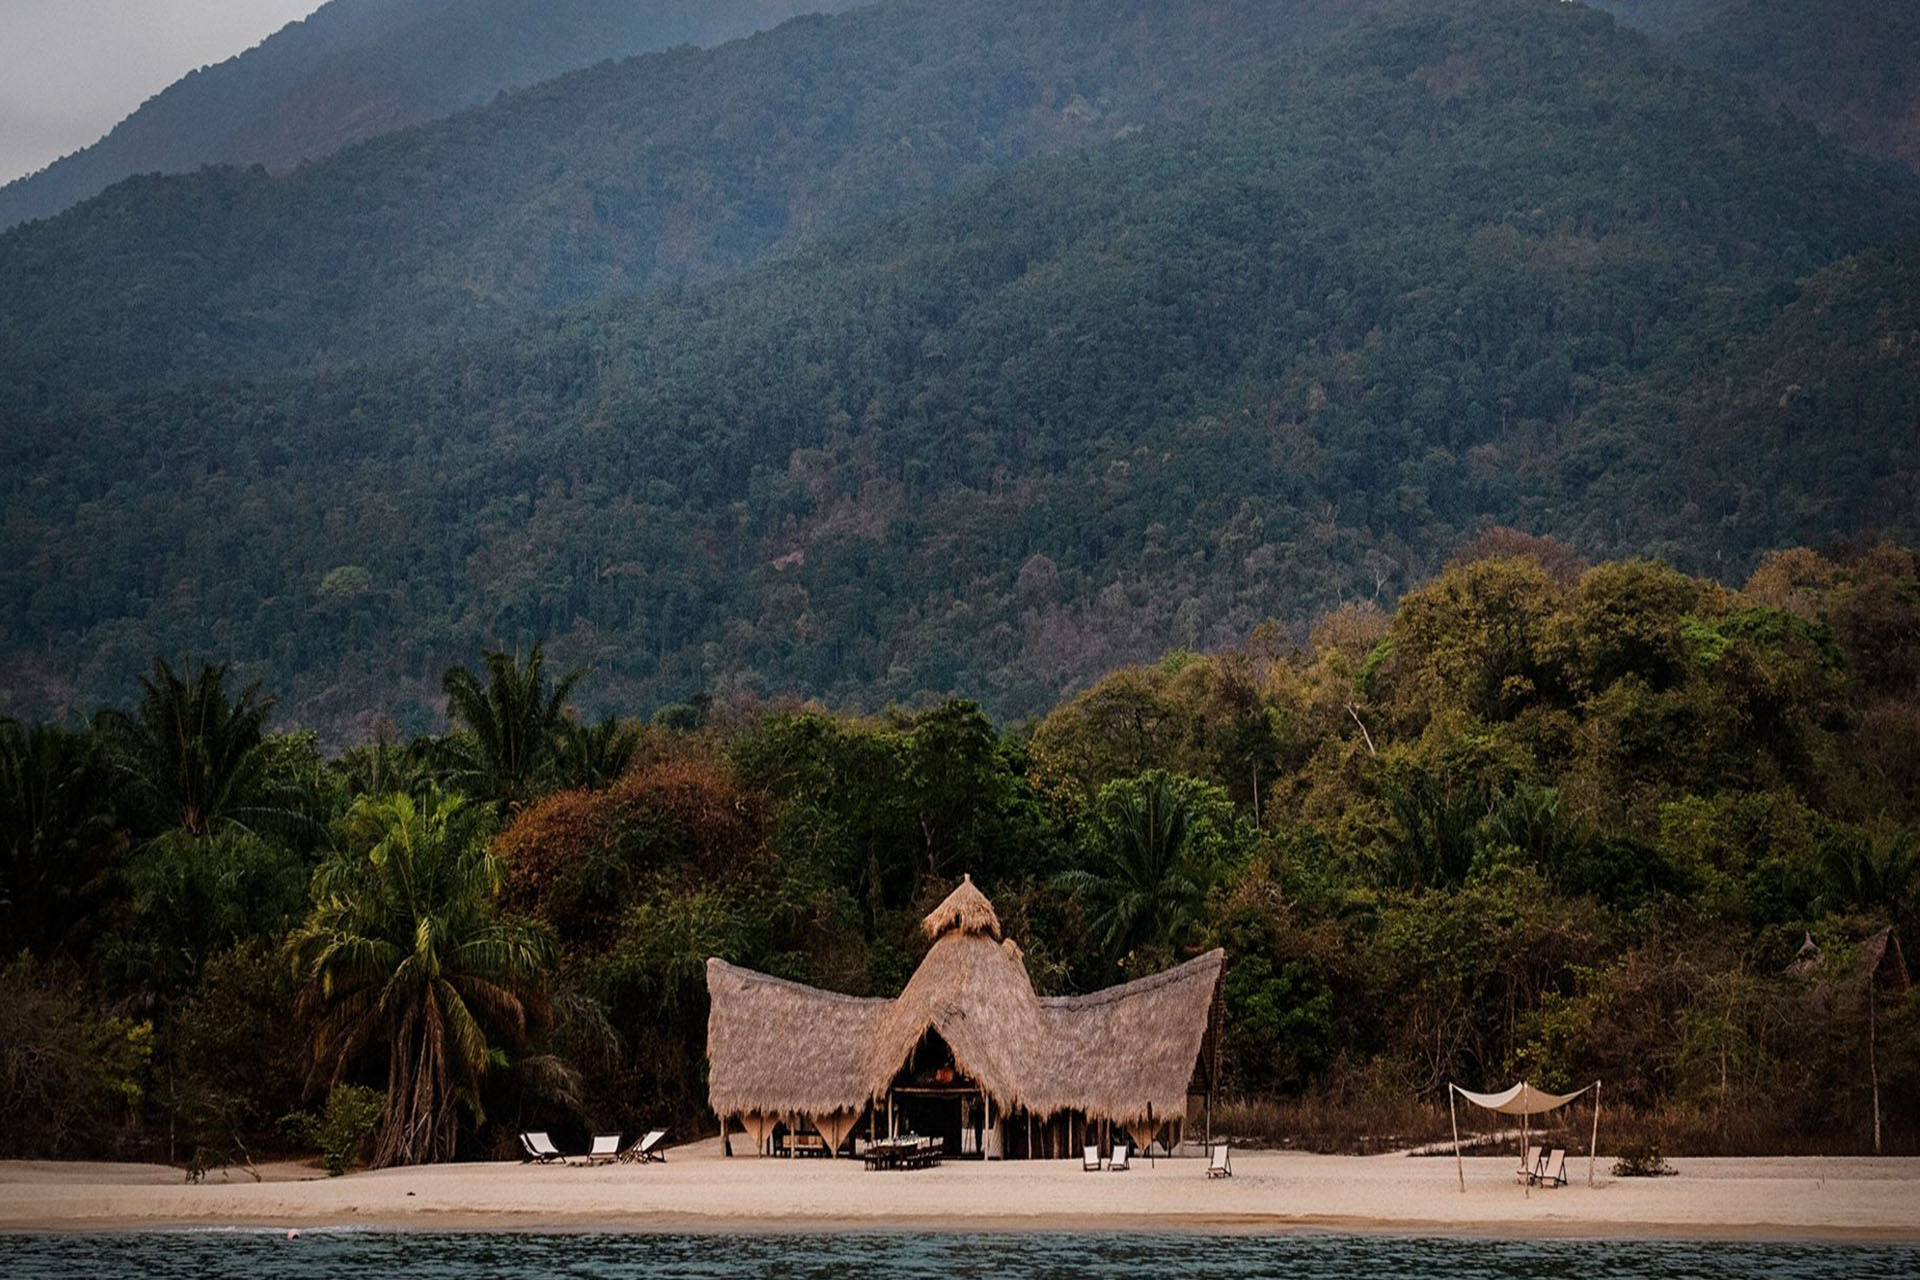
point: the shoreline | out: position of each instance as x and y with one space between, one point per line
1813 1200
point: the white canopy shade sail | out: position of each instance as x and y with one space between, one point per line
1521 1100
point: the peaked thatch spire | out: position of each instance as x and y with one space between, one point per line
965 909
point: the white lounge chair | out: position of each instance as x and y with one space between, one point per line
1220 1162
1119 1162
1553 1171
605 1149
539 1148
647 1150
1090 1160
1529 1170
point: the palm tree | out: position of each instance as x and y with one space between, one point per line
596 755
59 845
515 722
190 757
404 955
1143 888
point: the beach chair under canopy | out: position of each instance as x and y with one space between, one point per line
1529 1170
1090 1160
1553 1169
605 1149
540 1149
1119 1162
647 1150
1220 1162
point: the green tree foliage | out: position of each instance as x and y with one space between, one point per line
405 958
1542 820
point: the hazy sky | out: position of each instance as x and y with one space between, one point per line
72 69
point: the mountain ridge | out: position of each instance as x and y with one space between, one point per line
357 69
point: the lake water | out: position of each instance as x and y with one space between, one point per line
350 1255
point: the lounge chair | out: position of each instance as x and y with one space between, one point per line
1220 1163
1119 1162
539 1148
1529 1170
647 1150
1553 1171
1090 1160
605 1149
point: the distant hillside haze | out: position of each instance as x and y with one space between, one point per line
1851 67
977 347
359 68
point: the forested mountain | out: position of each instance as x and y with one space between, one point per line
677 165
359 68
1852 69
1444 269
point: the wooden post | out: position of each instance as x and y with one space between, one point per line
1453 1110
1873 1068
1593 1140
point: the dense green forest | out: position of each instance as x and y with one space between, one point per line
1286 347
357 69
1544 819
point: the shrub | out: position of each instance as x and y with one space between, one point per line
344 1134
1642 1160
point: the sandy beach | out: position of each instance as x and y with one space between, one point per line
698 1190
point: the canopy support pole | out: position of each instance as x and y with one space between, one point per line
1593 1141
1453 1110
1527 1183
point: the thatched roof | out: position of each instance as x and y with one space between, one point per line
780 1046
965 909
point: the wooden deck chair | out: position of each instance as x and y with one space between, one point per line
1529 1170
1090 1160
605 1149
1119 1162
1220 1162
1553 1170
539 1147
647 1150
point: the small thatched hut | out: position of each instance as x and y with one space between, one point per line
967 1053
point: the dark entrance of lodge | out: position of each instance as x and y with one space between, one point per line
932 1098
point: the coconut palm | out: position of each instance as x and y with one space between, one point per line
514 723
404 956
190 757
1142 889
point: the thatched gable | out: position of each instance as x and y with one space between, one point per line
778 1046
966 910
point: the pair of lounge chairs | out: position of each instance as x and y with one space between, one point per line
1090 1159
539 1149
1543 1168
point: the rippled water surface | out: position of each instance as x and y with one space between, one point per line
349 1255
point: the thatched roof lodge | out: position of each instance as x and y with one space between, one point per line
967 1052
